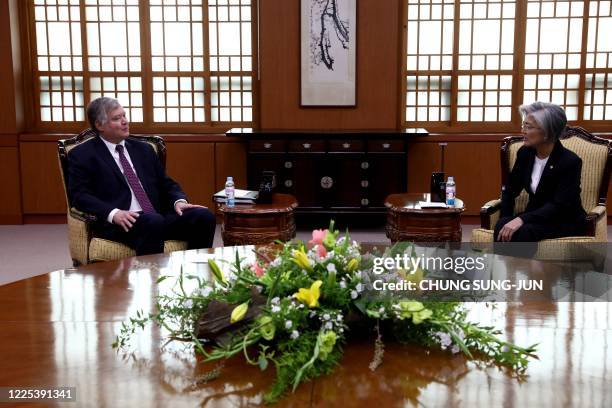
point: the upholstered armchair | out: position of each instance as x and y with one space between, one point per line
84 246
595 153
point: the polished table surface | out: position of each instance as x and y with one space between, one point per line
57 330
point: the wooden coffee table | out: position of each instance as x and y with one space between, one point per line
407 221
259 223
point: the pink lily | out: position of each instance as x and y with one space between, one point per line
257 270
317 237
321 251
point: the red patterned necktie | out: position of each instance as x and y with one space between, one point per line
134 183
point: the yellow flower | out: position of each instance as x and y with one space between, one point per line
310 297
301 260
239 312
352 265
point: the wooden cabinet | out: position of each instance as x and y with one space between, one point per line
348 172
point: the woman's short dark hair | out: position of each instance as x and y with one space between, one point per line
98 110
549 117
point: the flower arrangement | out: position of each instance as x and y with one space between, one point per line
297 308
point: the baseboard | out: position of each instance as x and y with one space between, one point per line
44 218
11 219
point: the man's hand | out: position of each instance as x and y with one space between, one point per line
125 219
505 234
181 206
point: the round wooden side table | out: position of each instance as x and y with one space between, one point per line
407 221
254 224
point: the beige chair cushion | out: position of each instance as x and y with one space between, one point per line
101 250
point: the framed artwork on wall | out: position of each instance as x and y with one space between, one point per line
328 37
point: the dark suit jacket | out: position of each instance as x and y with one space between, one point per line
557 197
96 184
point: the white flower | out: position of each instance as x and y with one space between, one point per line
359 287
455 349
204 292
326 316
329 325
381 310
304 272
276 262
288 324
188 304
342 284
275 309
354 294
339 317
331 267
301 306
445 339
295 334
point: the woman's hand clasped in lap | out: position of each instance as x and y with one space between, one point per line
505 234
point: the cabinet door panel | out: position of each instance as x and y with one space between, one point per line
305 181
347 191
386 175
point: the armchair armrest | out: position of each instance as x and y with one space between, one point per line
487 211
593 217
83 216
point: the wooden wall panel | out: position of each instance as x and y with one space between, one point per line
10 204
42 189
476 169
474 165
11 114
377 69
230 160
192 165
423 159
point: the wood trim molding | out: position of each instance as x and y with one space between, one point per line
174 138
13 219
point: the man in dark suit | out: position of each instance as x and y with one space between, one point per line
123 183
550 174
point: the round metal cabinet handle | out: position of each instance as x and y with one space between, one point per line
327 182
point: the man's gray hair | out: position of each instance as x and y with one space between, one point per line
98 110
549 117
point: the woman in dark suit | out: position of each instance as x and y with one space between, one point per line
550 174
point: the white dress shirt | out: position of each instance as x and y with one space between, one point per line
112 148
134 205
536 173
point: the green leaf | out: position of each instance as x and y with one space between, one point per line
162 278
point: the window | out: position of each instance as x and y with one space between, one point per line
169 62
470 63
